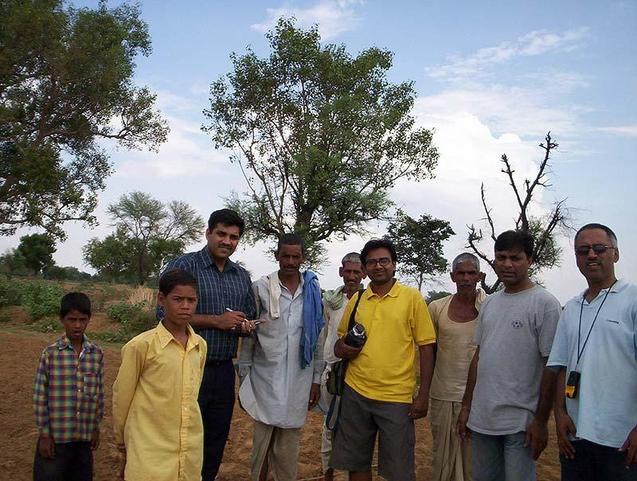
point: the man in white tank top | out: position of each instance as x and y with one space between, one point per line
455 318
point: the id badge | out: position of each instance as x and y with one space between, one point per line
572 385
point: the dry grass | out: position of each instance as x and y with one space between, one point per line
142 294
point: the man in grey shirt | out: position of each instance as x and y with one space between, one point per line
510 390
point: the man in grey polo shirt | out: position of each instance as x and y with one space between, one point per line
509 391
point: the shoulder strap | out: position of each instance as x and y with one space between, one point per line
353 313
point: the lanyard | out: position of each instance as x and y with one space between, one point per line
579 327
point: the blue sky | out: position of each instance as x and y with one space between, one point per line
491 78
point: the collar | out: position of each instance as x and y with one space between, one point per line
165 336
393 292
207 260
64 343
619 285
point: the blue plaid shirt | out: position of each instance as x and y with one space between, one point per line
217 291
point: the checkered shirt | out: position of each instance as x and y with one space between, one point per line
218 291
68 397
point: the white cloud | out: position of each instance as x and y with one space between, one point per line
333 17
531 44
622 130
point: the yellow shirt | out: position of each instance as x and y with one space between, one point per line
155 410
395 324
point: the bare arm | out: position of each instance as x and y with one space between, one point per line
563 423
467 398
537 432
420 406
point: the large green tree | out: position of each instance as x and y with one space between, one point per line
319 135
66 82
37 251
148 232
418 244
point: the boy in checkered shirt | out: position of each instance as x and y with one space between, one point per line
69 398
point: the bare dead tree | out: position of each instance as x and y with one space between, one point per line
546 252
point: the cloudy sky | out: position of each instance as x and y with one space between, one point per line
492 77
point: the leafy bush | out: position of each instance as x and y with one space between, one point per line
10 294
134 318
41 299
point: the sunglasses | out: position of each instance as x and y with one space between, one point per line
597 249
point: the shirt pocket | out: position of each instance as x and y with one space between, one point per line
91 385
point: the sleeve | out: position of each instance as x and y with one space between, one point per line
548 325
559 349
250 307
41 395
100 391
422 327
133 357
203 353
319 360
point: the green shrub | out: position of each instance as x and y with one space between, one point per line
10 292
134 318
40 298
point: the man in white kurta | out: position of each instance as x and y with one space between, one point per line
275 390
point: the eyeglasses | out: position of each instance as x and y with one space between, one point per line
597 249
383 261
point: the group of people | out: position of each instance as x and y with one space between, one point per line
490 369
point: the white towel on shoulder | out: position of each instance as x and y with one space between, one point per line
274 286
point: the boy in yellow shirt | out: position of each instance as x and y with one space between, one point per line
155 412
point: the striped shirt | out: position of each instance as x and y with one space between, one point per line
217 291
68 397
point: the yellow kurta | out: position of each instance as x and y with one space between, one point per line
155 410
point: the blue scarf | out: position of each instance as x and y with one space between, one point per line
312 316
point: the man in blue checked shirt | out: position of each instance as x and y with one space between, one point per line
226 305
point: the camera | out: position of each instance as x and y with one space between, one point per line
356 336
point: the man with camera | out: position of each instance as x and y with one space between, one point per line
334 303
380 378
595 354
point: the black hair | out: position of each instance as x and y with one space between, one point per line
75 301
594 225
512 239
173 278
226 217
378 244
291 239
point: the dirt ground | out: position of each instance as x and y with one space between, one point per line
19 353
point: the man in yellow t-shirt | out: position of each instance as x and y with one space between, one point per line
381 377
455 318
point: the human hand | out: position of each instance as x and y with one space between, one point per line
46 446
248 327
315 394
230 320
565 428
344 351
95 439
630 448
461 426
537 436
419 406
